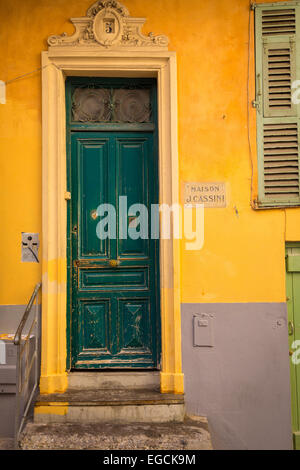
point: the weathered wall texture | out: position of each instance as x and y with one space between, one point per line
243 255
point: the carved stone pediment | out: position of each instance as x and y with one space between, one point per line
108 24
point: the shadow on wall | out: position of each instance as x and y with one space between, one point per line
242 382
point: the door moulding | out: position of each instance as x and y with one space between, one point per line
73 58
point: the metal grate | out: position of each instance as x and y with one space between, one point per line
281 161
278 22
279 78
111 105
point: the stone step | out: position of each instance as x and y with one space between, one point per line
111 380
192 434
96 406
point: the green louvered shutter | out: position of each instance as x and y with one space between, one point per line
278 118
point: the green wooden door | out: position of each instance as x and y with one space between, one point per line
293 303
115 281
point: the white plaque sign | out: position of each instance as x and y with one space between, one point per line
208 194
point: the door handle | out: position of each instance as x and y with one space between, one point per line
132 221
94 214
291 328
114 263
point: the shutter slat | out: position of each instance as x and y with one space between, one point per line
277 166
285 125
278 189
278 78
281 103
279 90
278 177
275 13
291 185
281 145
284 138
279 52
277 171
274 72
274 22
283 151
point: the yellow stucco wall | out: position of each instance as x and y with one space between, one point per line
243 255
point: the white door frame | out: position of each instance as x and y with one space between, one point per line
57 64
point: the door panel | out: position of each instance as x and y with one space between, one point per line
115 293
132 174
116 280
135 325
94 319
92 191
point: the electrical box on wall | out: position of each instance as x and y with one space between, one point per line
30 247
203 330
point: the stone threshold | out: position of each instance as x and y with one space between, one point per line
109 398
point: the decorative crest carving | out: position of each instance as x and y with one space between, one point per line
108 24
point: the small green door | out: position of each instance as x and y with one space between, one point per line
293 303
113 280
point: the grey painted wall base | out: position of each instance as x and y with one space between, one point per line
242 383
10 317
